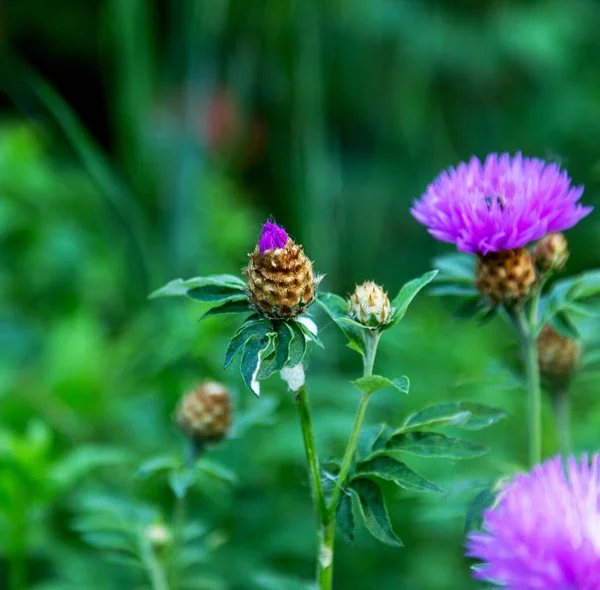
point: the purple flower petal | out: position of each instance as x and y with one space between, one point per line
501 204
273 236
544 532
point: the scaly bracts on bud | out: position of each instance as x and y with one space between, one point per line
505 277
370 305
204 414
281 283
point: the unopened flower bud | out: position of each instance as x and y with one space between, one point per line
281 283
506 276
551 252
558 356
204 414
159 536
370 305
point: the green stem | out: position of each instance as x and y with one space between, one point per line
526 331
325 565
156 574
562 413
312 458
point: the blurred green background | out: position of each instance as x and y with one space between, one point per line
144 140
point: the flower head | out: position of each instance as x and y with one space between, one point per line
272 237
502 204
544 532
204 414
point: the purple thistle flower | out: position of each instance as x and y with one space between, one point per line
273 236
502 204
544 532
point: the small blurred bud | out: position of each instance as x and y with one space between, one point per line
551 252
558 356
159 536
506 276
204 414
370 305
281 283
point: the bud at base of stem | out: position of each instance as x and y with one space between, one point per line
506 276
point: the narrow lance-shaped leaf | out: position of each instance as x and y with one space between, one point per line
391 470
407 294
181 288
433 444
231 306
467 415
373 511
482 501
337 308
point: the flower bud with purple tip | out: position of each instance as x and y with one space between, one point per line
281 282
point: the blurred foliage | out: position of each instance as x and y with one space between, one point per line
145 140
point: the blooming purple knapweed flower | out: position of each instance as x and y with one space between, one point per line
272 236
502 204
544 531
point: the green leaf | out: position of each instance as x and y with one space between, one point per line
432 444
457 267
367 438
156 465
297 346
467 415
258 328
216 471
252 355
372 383
563 325
181 480
391 470
181 288
213 293
231 306
373 511
337 308
344 517
453 291
83 460
407 294
482 501
309 333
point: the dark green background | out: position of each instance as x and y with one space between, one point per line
141 141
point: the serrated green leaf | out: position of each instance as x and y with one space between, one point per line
373 511
467 415
482 501
397 472
563 325
372 383
181 288
407 294
432 444
249 328
254 350
297 346
231 306
344 517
